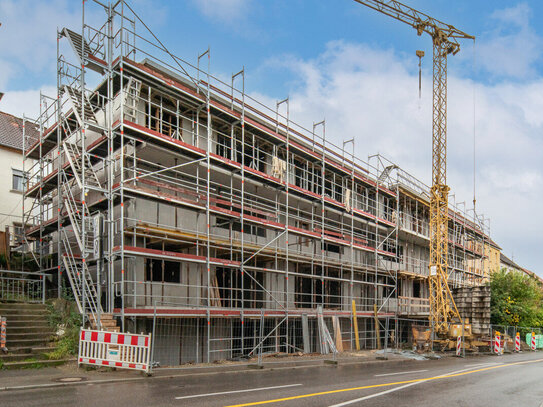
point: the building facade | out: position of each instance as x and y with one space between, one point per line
492 261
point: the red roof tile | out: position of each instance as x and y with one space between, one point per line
11 131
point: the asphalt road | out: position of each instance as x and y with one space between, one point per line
512 380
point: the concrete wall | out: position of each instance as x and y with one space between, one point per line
190 291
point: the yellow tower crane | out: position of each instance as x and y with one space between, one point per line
445 41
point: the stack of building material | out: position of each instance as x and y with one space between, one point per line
474 303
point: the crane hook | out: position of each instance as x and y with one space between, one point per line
420 54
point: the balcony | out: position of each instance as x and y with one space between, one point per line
413 306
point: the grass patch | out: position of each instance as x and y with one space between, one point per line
66 346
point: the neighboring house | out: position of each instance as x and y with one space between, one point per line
13 179
509 265
492 260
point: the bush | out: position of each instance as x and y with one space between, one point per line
64 316
517 300
3 261
18 261
63 313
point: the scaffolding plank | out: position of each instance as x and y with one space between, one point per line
83 51
305 333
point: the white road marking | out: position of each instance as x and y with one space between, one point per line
374 395
238 391
483 364
396 373
382 393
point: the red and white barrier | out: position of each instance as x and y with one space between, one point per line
3 323
126 351
459 346
497 344
533 341
517 342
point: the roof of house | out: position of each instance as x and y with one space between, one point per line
510 263
507 261
493 244
532 274
11 131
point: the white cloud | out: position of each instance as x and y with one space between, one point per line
360 91
227 11
512 47
518 181
370 94
519 14
25 102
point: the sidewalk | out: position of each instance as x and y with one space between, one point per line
67 374
70 374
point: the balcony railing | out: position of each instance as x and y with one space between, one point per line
413 306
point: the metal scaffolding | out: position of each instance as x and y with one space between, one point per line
161 193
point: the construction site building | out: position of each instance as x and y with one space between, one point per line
178 204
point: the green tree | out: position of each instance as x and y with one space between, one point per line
517 299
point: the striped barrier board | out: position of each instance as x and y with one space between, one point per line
517 342
122 350
533 347
458 346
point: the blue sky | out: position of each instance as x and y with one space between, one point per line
343 61
252 33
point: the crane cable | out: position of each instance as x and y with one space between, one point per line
474 130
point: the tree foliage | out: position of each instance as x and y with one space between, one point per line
517 299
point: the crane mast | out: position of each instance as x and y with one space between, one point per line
445 41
